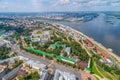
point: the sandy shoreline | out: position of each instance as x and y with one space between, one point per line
113 55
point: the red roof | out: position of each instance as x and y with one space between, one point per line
102 53
85 76
90 44
21 73
82 63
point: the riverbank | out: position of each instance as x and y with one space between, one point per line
113 55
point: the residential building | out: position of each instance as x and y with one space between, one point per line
35 64
89 43
68 49
102 53
83 64
3 71
12 74
62 75
43 74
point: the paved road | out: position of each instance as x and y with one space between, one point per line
45 61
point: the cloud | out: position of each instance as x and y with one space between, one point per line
115 4
60 2
60 5
64 1
90 2
86 4
36 4
4 5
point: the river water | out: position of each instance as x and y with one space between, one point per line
104 29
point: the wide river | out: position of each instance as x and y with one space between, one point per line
100 29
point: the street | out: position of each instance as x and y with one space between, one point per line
45 61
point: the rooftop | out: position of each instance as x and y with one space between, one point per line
103 53
35 64
64 75
40 52
12 73
57 45
2 68
65 59
82 63
21 73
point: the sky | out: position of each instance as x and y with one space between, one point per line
58 5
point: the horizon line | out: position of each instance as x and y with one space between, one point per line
54 11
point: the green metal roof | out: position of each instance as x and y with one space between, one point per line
65 59
89 69
40 52
27 37
50 55
57 45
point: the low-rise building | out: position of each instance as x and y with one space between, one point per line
107 61
21 73
2 43
102 53
40 36
35 64
68 49
86 75
83 64
12 74
89 43
62 75
43 74
3 71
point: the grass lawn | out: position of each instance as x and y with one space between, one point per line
94 70
117 76
39 32
100 72
106 74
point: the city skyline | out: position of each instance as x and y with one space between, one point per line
58 5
